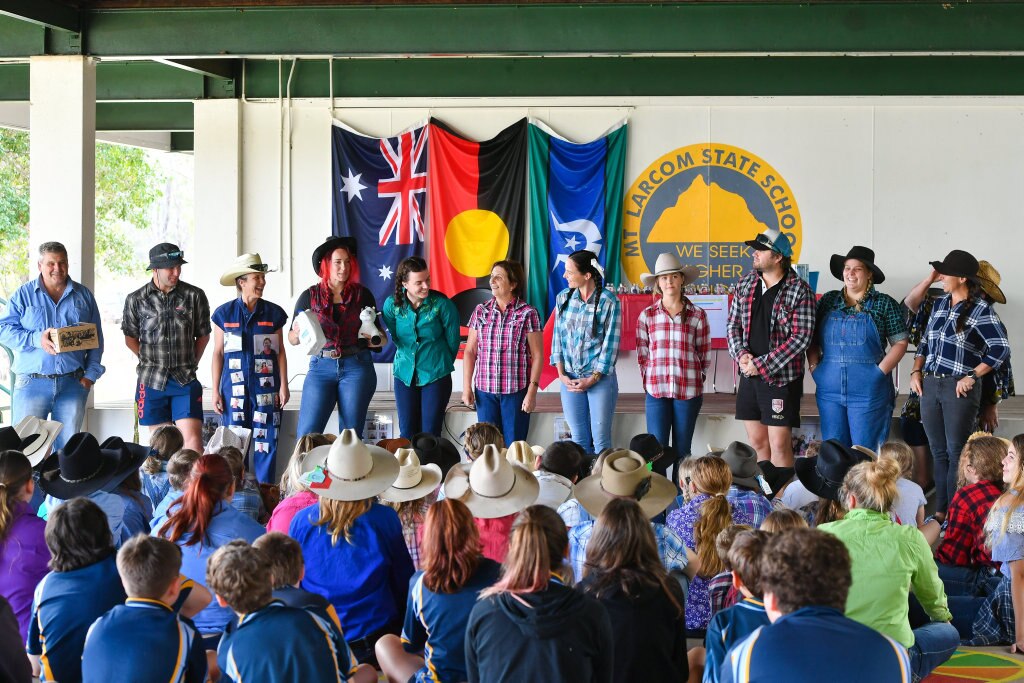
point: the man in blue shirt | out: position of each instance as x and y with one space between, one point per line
50 383
805 575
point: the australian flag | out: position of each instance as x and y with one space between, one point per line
380 198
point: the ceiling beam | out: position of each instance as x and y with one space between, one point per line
162 116
213 68
48 13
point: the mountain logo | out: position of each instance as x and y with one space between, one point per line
702 202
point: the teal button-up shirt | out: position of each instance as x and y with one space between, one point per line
426 338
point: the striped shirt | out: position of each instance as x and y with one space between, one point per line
672 350
503 354
582 346
982 340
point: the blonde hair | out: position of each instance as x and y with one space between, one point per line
339 516
291 480
480 435
873 484
901 453
165 441
711 476
1014 496
536 551
783 519
985 454
684 471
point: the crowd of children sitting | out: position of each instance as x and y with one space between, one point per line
512 564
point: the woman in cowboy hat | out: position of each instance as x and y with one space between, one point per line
861 335
584 347
341 374
963 341
354 549
505 334
410 496
673 340
443 594
241 328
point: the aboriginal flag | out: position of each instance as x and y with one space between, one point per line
476 198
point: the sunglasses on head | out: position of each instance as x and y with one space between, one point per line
173 254
260 267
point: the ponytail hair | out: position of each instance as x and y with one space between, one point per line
711 476
412 264
974 294
873 484
536 552
15 472
209 485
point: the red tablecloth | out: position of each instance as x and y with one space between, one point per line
632 305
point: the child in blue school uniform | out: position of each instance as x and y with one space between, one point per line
165 442
143 640
735 623
272 642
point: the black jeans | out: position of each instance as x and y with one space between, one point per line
948 421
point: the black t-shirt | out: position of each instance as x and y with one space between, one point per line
761 317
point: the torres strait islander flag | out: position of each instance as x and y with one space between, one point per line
477 196
379 197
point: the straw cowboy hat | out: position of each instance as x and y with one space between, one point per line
522 454
666 265
348 469
625 475
414 480
236 437
989 279
243 265
83 466
491 486
32 437
862 254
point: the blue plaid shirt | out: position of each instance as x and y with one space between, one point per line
983 339
756 506
575 344
671 549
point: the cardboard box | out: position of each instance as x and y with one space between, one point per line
75 338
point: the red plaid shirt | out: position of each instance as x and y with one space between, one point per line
792 327
964 544
503 354
673 350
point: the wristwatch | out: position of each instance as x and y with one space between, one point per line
973 375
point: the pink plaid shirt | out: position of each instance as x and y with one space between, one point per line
503 354
673 351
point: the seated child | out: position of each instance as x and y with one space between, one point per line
284 555
908 508
720 588
247 498
143 640
83 586
165 442
805 577
782 519
179 470
732 625
556 471
272 642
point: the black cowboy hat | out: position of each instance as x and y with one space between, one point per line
777 477
862 254
132 458
10 440
165 255
82 467
959 263
648 446
434 450
329 246
823 474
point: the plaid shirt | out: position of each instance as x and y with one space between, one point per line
503 354
790 333
581 351
995 623
167 326
752 503
670 547
948 352
964 543
720 592
673 350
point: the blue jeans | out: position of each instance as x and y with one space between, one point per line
590 413
347 382
934 644
421 409
62 399
967 581
505 411
675 414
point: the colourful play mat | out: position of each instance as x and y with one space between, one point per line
975 666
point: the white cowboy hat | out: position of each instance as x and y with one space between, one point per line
235 436
414 480
491 486
37 437
243 265
348 469
522 454
625 475
667 264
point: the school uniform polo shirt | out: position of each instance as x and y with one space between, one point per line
815 644
279 643
727 628
143 641
65 605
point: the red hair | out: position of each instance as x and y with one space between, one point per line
209 484
451 546
325 268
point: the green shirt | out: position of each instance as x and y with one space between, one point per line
888 316
426 338
888 559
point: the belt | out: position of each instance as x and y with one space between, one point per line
77 374
335 353
939 375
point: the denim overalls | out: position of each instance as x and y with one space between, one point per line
855 399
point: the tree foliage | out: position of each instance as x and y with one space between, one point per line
127 185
